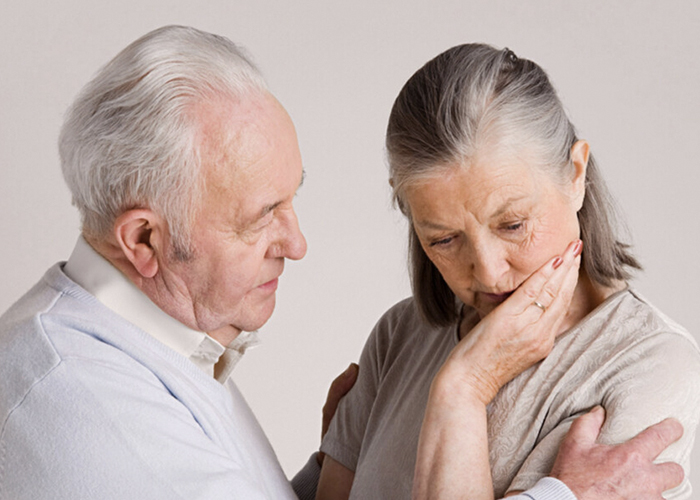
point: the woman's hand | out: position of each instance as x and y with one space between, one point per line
516 334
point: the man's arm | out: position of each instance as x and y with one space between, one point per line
306 481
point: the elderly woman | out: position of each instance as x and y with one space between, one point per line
496 184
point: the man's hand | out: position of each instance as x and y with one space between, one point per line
595 471
339 388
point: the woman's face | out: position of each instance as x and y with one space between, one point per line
490 225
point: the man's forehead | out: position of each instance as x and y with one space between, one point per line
224 120
249 156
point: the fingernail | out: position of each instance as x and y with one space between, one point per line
348 370
597 409
578 248
557 262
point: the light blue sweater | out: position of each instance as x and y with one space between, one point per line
93 407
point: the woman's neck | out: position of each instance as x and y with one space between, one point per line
587 296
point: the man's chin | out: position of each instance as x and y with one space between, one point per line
258 318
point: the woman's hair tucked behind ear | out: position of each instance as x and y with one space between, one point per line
474 96
129 139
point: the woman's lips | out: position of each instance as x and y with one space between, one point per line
496 297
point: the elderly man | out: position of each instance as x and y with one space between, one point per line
115 368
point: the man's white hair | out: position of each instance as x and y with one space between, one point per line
128 140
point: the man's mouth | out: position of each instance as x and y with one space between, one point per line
270 285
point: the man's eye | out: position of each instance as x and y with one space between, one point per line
514 226
263 223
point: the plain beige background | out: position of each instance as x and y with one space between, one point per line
628 72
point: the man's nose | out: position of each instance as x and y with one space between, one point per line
297 243
292 244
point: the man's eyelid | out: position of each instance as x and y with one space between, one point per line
511 223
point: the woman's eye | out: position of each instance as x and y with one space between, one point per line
443 241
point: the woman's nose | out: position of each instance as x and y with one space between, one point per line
489 265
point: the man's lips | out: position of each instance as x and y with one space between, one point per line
270 285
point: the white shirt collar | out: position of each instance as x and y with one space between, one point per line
113 289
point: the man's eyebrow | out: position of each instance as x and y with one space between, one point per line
269 208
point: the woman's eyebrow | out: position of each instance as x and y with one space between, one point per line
507 203
504 207
431 225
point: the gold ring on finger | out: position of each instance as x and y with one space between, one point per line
541 306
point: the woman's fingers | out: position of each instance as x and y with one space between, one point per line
540 291
533 315
559 306
553 286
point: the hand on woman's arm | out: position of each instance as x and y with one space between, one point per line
336 479
306 481
453 458
595 471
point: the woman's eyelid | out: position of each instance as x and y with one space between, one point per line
513 222
441 241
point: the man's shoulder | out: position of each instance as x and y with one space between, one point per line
24 347
54 303
54 323
27 352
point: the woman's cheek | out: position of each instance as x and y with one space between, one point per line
540 246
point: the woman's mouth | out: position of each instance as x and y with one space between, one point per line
496 298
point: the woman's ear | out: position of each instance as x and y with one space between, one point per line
580 152
139 233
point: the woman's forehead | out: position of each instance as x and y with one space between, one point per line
483 188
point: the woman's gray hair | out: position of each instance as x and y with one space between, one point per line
474 96
129 139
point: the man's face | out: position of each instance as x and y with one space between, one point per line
246 225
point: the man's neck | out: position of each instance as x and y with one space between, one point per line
167 298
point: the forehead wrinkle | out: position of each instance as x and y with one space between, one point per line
489 198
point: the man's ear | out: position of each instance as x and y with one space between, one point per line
140 234
580 152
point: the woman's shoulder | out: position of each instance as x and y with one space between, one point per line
403 322
628 323
640 318
405 313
